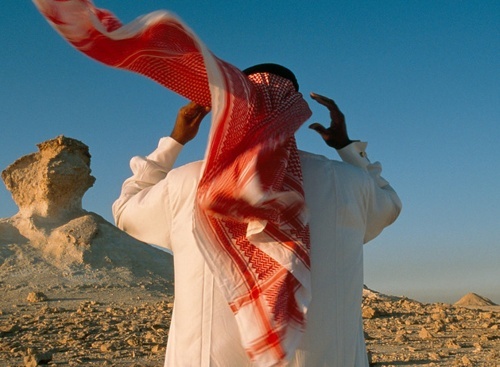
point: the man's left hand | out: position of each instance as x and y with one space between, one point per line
334 136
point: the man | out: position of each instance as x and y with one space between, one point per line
349 204
244 266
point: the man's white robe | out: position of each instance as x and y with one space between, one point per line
349 204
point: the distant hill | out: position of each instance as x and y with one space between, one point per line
473 299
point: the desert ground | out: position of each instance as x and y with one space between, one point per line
80 316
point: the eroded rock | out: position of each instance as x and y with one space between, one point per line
51 182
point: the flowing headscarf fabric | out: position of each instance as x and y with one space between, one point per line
250 217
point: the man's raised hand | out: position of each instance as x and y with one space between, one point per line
188 122
334 136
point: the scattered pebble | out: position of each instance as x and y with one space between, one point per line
34 297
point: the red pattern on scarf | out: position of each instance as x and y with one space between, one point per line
252 169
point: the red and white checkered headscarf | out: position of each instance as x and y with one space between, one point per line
250 218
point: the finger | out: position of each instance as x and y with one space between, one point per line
318 96
201 113
205 110
322 99
321 130
317 127
325 101
201 109
193 110
197 106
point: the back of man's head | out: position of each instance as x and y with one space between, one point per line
273 69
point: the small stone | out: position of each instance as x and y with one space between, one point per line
35 297
438 316
15 350
425 334
486 315
478 348
157 348
433 356
439 326
452 345
9 329
33 359
107 347
466 361
133 342
369 312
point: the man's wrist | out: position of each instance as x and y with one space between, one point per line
178 139
167 151
343 144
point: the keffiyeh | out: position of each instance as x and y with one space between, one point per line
250 218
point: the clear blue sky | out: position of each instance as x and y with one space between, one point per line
418 80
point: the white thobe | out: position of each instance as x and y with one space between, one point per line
349 204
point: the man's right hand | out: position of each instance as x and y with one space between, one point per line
188 122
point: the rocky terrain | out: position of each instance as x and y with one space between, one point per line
76 291
114 326
404 332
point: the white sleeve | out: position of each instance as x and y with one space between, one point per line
382 202
142 208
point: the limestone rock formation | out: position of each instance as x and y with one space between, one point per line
51 182
52 242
